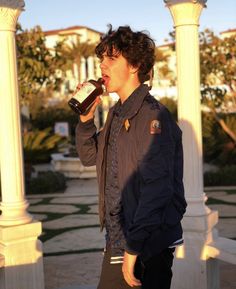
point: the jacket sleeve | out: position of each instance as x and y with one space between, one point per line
155 174
86 142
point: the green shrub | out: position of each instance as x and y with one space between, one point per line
225 176
47 117
218 147
171 104
39 145
46 182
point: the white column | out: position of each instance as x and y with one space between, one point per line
75 72
186 16
82 70
13 203
19 244
90 67
199 220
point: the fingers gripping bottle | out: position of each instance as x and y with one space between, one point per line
83 99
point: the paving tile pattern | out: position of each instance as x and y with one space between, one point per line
72 270
73 243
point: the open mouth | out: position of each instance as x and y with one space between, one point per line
105 78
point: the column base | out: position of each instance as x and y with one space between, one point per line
22 251
191 259
196 206
14 214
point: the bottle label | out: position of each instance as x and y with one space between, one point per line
84 92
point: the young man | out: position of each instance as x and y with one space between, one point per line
139 162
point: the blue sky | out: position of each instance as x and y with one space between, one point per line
151 15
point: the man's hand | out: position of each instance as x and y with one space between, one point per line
91 112
128 270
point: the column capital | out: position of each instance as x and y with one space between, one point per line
14 4
9 13
185 12
172 2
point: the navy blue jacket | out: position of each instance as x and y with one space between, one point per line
150 165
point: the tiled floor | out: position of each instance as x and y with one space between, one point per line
73 243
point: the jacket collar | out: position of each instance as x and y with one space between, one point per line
133 103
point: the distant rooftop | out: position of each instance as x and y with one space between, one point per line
228 31
69 30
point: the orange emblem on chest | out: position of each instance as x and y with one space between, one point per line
127 124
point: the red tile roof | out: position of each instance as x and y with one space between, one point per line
72 28
229 30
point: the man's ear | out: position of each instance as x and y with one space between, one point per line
133 69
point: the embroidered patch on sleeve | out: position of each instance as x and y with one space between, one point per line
155 127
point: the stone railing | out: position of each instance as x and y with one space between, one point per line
223 249
72 167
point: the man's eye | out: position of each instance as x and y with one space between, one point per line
100 60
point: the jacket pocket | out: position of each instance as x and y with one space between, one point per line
157 162
153 168
174 212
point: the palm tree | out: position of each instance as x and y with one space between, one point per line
74 53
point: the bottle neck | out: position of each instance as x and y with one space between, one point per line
100 81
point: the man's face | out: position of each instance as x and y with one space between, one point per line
116 72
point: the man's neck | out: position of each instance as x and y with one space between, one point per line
124 94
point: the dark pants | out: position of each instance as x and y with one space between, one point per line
155 273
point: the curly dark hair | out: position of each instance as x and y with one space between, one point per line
136 47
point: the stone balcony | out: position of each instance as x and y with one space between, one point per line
72 167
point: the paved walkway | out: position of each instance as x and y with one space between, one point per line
73 243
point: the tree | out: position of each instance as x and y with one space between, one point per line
218 147
37 66
171 104
164 73
218 78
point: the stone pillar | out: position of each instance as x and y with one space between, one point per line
199 220
13 205
18 233
83 70
76 72
90 67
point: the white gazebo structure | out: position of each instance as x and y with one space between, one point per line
20 250
196 265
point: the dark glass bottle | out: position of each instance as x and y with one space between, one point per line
83 99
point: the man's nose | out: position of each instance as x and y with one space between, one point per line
102 64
